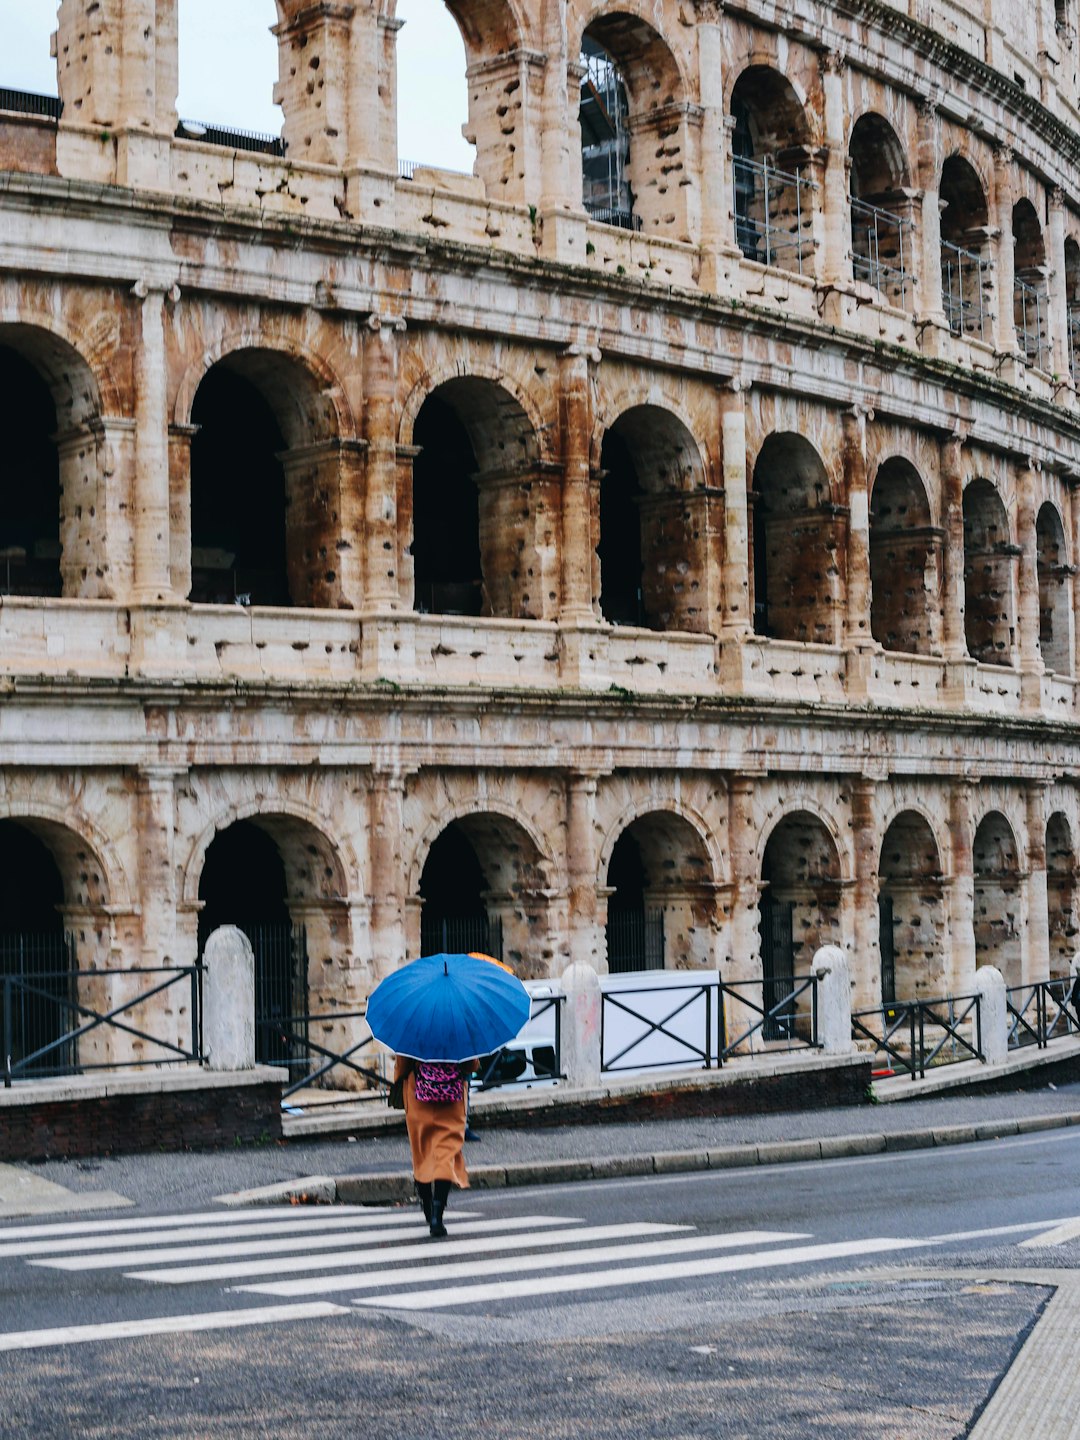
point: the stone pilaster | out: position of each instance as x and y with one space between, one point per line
1031 661
156 820
867 963
717 227
1001 222
952 505
737 617
858 632
1059 301
387 802
742 960
960 891
835 200
382 471
585 940
579 502
1035 934
929 305
152 499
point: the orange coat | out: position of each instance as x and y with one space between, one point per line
436 1133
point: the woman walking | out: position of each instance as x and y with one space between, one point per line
435 1120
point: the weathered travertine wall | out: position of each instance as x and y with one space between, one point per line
854 471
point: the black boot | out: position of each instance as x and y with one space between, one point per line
424 1192
438 1205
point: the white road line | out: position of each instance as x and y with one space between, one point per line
184 1254
640 1275
207 1217
1061 1234
997 1230
67 1245
470 1269
166 1325
246 1269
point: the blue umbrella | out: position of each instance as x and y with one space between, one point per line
448 1007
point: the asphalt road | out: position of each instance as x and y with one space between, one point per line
796 1301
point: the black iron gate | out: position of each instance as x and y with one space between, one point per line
442 934
777 966
43 970
887 947
281 992
635 940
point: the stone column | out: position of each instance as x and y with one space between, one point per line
717 227
859 637
1001 208
1035 935
867 966
387 799
156 820
381 587
737 617
586 946
151 490
1059 300
929 306
743 958
562 213
579 560
952 505
960 891
836 200
1031 661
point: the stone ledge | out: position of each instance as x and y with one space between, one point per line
136 1082
974 1076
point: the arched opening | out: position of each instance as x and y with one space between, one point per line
881 223
219 101
1055 592
632 118
1061 896
905 562
30 503
36 956
431 62
1072 304
771 163
279 881
966 278
661 903
911 912
798 544
52 480
484 888
989 561
264 485
484 507
1030 293
799 910
653 524
997 898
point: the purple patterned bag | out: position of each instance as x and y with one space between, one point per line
438 1084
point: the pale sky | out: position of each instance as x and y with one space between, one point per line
228 65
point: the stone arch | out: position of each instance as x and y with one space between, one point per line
654 530
799 908
1061 895
337 852
989 576
1030 286
772 149
484 507
632 121
998 899
81 849
966 275
1055 591
799 537
491 28
880 208
660 882
911 910
266 480
905 562
481 879
52 524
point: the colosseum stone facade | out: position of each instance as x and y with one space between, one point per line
655 548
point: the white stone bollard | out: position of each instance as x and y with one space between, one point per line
581 1026
833 975
990 987
229 1001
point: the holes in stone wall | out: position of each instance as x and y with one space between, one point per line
911 889
989 565
905 562
798 543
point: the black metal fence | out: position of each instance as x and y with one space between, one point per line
39 967
916 1035
26 102
530 1059
281 964
306 1057
785 1017
253 141
635 940
442 934
1039 1013
63 997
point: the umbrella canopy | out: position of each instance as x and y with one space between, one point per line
448 1007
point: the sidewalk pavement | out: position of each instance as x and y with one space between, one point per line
370 1168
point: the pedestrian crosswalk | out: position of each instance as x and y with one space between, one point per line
323 1260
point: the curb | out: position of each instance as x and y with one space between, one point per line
393 1187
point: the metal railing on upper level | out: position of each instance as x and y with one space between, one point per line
255 141
964 276
916 1035
1030 310
773 214
606 215
1039 1013
27 102
879 252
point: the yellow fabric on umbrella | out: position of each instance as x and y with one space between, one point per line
479 955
